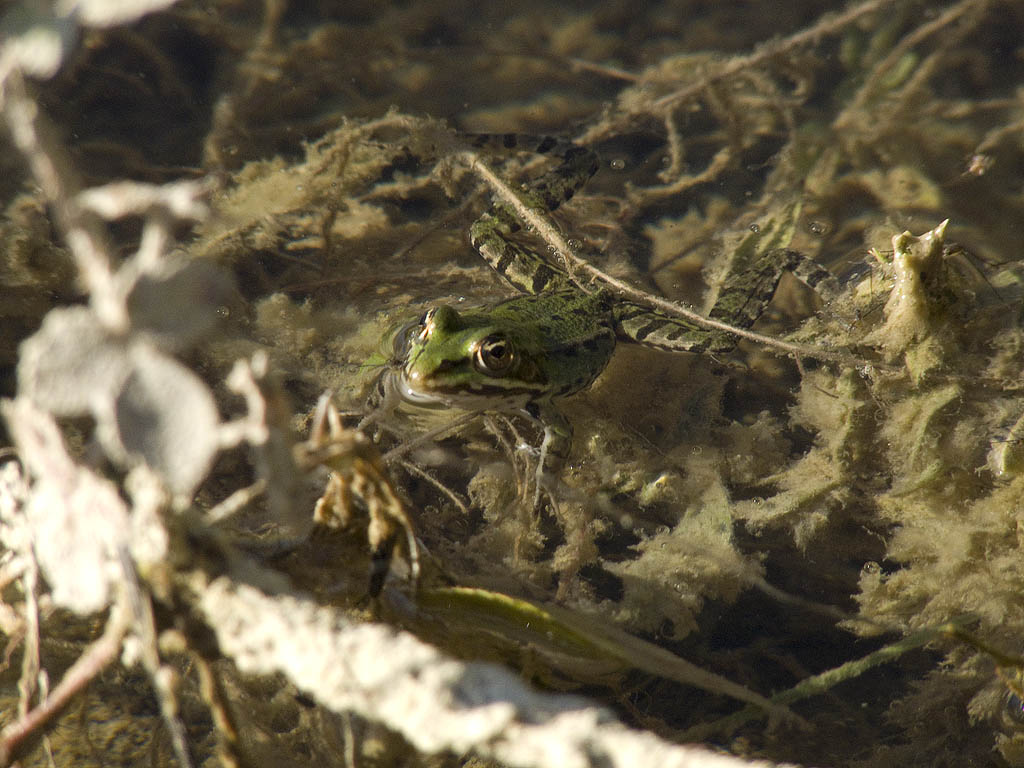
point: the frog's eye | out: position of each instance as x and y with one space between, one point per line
494 356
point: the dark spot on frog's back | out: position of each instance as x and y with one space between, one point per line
676 333
508 254
646 330
547 144
541 277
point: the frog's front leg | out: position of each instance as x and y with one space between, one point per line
554 448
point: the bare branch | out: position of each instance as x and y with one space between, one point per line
17 736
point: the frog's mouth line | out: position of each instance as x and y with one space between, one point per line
479 396
411 394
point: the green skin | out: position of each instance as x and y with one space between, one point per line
514 356
522 354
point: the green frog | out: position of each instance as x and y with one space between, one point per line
524 354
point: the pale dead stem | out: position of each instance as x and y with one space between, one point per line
679 182
257 62
412 469
816 685
15 738
162 677
828 24
78 217
236 501
883 67
30 666
995 136
53 173
426 437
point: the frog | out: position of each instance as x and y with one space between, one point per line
527 353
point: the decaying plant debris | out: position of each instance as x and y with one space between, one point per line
808 552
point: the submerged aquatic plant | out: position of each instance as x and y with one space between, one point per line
160 475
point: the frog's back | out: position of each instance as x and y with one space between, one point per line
569 334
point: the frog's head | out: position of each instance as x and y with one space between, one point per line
465 360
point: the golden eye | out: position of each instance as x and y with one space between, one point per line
494 356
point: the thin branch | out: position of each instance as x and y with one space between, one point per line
161 677
824 681
898 51
412 469
236 501
643 196
30 660
15 738
426 437
828 24
550 233
53 173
